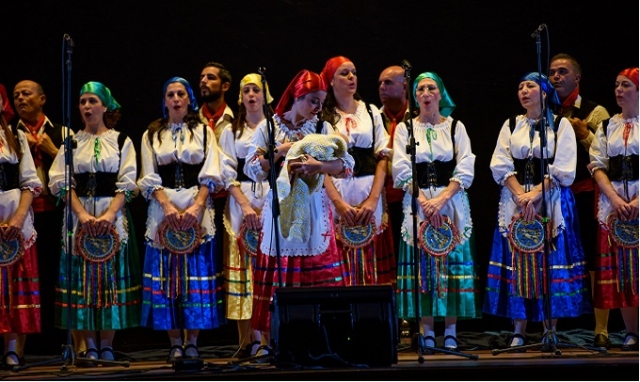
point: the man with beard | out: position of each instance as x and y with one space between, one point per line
215 81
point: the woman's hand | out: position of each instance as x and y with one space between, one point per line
103 224
88 223
251 217
172 215
529 211
366 210
13 228
347 212
190 216
307 166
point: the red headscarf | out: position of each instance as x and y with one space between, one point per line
7 111
331 67
630 73
304 82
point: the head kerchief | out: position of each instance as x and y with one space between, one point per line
632 74
192 98
303 83
101 92
330 68
446 104
254 78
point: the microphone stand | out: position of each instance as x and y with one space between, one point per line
415 189
68 356
549 342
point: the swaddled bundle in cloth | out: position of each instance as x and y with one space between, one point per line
294 191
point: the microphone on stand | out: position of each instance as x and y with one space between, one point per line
69 40
538 30
405 65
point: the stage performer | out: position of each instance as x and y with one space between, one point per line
614 165
244 206
448 286
308 253
19 289
105 287
180 169
358 200
518 267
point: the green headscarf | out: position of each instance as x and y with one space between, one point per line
446 103
102 92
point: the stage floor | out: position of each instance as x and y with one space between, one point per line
569 363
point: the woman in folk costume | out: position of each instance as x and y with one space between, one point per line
242 213
516 285
182 283
307 258
105 289
19 287
614 166
448 282
358 200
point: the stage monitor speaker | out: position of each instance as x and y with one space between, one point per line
334 326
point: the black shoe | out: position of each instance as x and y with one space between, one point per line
631 347
8 354
175 352
422 343
87 361
454 340
191 346
602 341
524 342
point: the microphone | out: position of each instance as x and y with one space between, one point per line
405 65
536 32
68 39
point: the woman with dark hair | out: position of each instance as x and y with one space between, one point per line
105 289
242 213
359 201
517 274
182 275
19 291
308 253
614 166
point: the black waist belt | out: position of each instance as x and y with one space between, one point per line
365 161
241 177
623 168
528 170
9 176
96 184
434 174
179 175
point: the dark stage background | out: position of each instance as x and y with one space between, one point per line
479 48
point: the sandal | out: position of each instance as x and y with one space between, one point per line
524 342
175 352
186 349
88 361
630 347
455 348
8 366
107 353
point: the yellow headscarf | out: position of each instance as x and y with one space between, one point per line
254 78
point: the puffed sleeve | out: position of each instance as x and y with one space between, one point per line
465 158
149 180
257 147
598 151
563 168
381 135
501 161
128 171
228 158
210 174
28 177
401 163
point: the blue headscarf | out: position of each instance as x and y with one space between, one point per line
192 98
547 87
101 92
446 104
